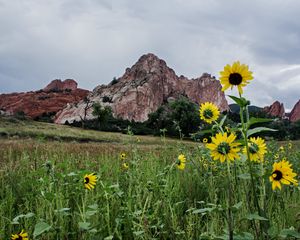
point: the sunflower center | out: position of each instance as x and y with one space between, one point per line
208 113
235 78
19 238
86 180
223 148
277 175
253 148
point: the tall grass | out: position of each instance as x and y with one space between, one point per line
42 191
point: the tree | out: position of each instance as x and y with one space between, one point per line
102 113
179 116
88 104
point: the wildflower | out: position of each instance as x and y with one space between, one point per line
20 236
235 75
125 166
290 145
209 112
204 140
282 173
123 156
181 162
90 181
257 149
223 147
281 148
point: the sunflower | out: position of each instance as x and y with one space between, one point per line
123 156
181 162
90 181
257 149
223 147
235 75
204 140
20 236
209 112
282 173
125 166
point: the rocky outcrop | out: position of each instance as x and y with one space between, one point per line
275 110
44 102
143 88
58 85
295 113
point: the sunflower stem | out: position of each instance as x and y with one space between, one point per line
230 217
244 133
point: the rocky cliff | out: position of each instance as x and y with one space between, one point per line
48 101
144 87
275 110
295 113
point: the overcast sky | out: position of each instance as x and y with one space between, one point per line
93 41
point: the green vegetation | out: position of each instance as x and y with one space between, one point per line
42 188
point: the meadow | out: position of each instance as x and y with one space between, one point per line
140 195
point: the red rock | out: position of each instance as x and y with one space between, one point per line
35 104
275 110
295 113
143 88
58 85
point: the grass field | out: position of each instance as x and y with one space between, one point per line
42 187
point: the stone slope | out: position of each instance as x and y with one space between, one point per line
295 113
143 88
275 110
43 102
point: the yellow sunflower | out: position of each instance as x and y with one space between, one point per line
181 162
209 112
90 181
235 75
204 140
20 236
125 166
223 147
282 173
123 156
257 149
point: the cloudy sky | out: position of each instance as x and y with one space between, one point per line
93 41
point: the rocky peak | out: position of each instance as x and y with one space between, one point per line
59 85
295 113
275 110
143 88
47 102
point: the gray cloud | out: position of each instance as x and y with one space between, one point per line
94 41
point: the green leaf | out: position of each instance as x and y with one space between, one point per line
109 238
222 121
254 120
259 129
237 100
289 233
40 228
255 216
84 225
237 206
202 210
245 176
138 233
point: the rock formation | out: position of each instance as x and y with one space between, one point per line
295 113
59 85
143 88
48 101
275 110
